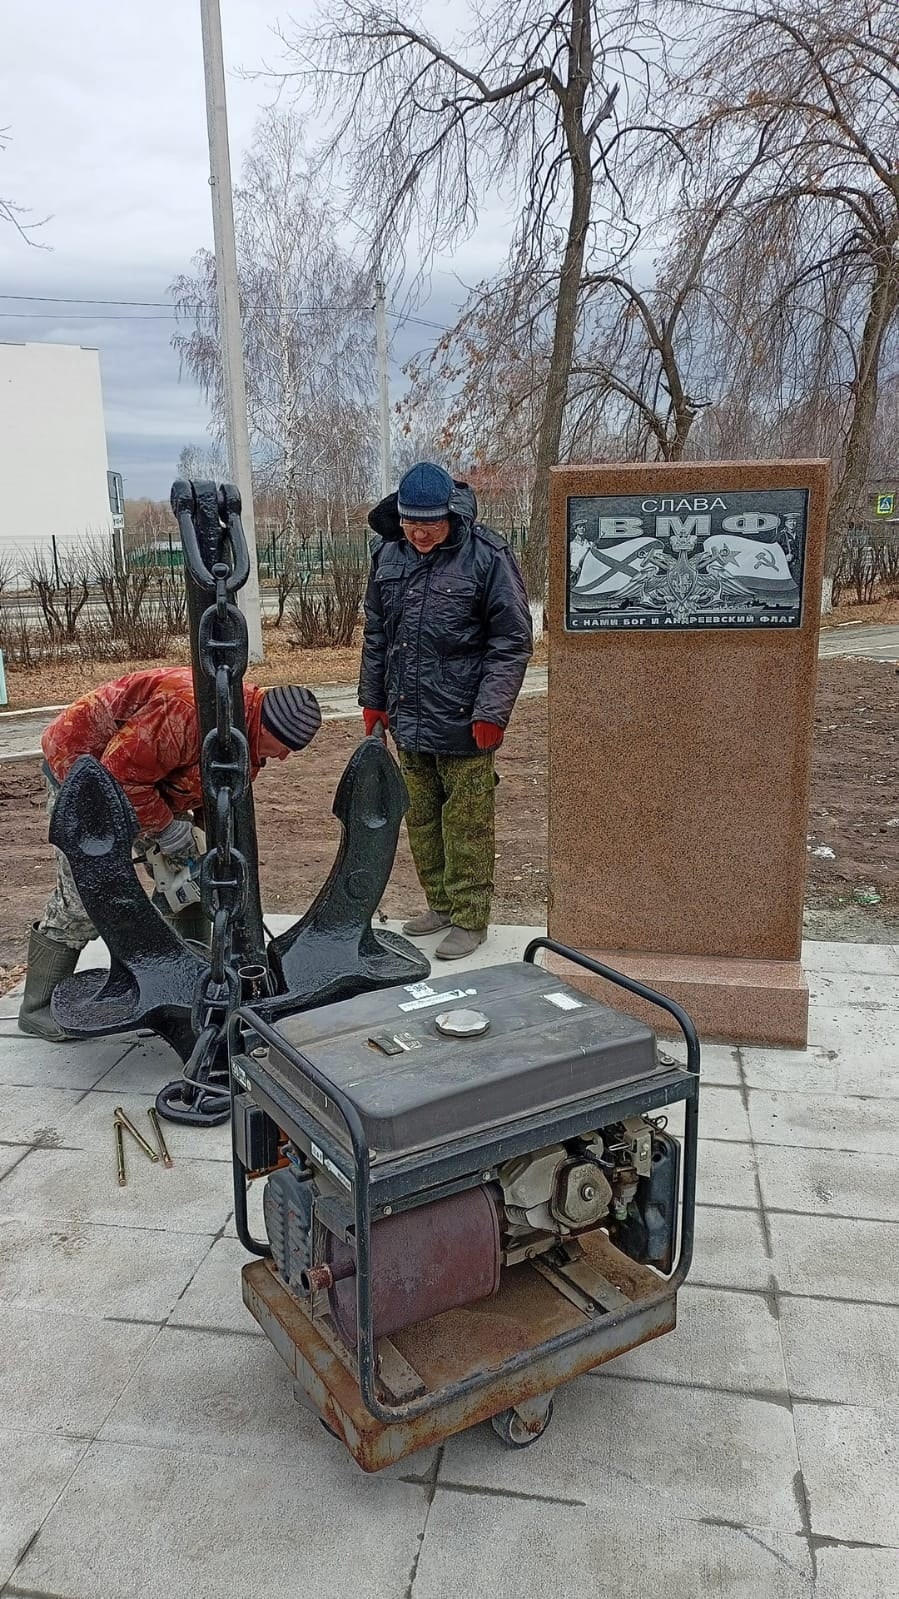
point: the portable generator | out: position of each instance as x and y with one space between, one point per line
471 1196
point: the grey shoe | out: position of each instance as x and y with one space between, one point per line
427 922
459 942
49 963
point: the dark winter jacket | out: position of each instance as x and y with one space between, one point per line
447 635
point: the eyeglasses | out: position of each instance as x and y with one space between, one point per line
422 527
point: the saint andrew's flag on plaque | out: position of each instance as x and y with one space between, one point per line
609 568
734 559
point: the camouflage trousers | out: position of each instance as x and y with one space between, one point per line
65 919
451 833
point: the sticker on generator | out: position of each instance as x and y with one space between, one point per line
319 1155
436 999
418 990
565 1001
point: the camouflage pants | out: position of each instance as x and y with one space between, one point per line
450 827
65 919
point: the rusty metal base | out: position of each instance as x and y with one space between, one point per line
525 1312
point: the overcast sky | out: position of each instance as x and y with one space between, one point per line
104 105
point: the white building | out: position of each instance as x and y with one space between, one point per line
54 483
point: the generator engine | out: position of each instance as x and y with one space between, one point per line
450 1252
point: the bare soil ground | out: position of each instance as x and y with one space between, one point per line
852 893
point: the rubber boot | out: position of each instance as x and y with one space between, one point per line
49 963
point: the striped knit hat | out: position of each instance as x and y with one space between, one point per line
291 714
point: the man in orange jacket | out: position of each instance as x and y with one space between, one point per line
144 729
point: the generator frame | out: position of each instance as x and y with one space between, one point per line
382 1189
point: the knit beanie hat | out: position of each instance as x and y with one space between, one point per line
424 493
291 714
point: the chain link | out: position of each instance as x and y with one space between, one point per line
225 770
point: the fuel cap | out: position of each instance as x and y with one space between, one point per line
462 1023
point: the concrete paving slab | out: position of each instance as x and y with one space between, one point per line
854 988
734 1459
147 1067
33 1063
59 1185
819 955
722 1114
35 1471
213 1298
247 1527
96 1271
90 1127
37 1115
872 1572
10 1155
68 1372
477 1546
214 1394
868 1033
833 1121
836 1259
722 1340
826 1182
729 1249
725 1174
821 1071
843 1353
850 1462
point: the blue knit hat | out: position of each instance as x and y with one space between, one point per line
424 493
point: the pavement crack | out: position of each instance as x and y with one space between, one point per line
509 1493
429 1480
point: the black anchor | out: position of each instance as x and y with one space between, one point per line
153 974
333 952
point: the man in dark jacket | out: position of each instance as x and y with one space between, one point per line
447 641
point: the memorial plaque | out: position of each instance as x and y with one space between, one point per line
728 559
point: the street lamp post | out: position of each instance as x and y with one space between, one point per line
237 439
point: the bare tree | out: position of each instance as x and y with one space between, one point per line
814 246
9 569
537 103
15 214
61 587
306 309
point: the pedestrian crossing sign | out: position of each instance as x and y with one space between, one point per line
886 504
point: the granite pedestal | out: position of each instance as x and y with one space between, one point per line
683 625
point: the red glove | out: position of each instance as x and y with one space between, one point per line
487 735
373 719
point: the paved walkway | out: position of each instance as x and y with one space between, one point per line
151 1445
20 731
856 638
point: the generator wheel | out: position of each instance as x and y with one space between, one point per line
516 1432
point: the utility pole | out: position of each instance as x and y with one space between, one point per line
383 389
237 439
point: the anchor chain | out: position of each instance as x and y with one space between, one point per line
202 1095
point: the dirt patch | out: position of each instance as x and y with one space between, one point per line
52 682
854 813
